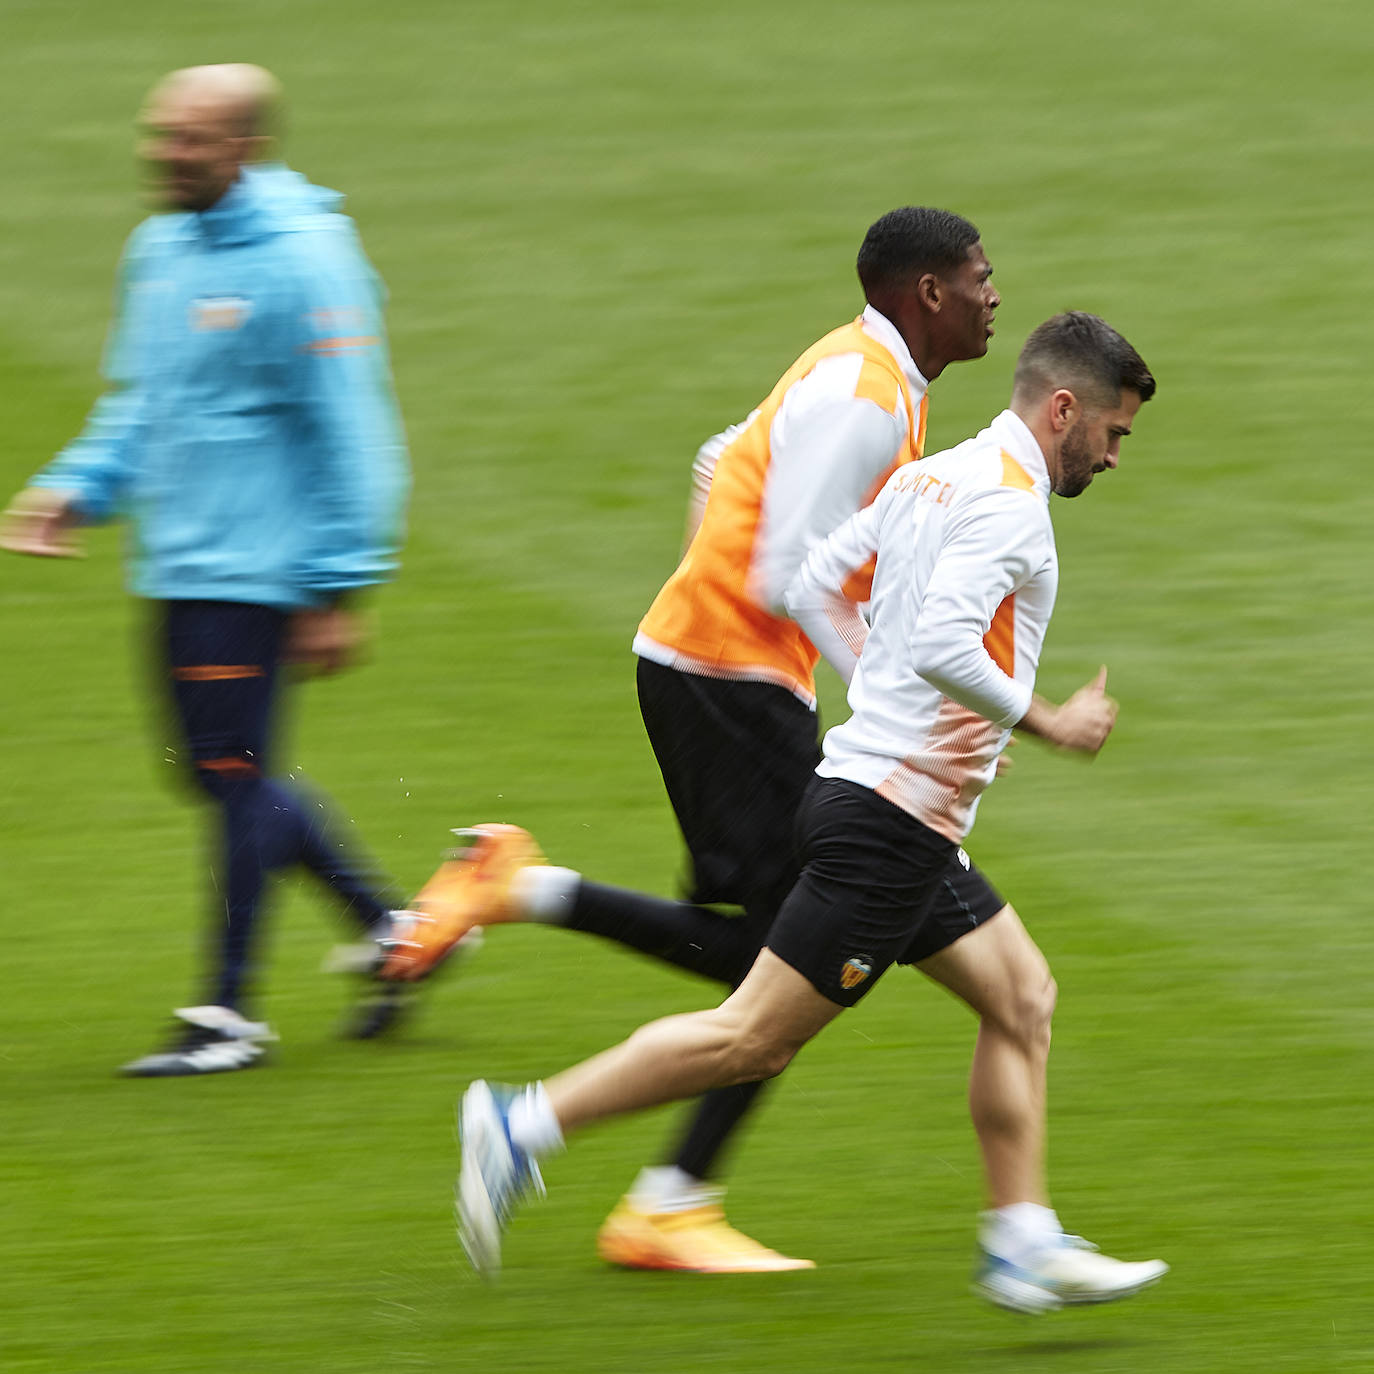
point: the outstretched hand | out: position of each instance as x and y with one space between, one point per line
41 521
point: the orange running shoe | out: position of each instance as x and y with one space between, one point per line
470 889
697 1241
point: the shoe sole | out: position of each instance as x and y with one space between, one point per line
1029 1299
1129 1291
479 1223
624 1252
1013 1295
142 1069
648 1264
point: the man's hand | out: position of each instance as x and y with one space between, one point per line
323 641
1081 724
41 521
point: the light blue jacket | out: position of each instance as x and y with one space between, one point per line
250 431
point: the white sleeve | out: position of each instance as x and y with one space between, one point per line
815 596
993 545
704 472
828 449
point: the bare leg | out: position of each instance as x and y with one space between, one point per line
998 970
753 1034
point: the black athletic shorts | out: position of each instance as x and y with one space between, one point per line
963 900
737 759
878 888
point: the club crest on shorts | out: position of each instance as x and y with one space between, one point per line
854 971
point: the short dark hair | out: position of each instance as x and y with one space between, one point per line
1085 354
910 241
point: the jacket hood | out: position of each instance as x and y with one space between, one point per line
275 184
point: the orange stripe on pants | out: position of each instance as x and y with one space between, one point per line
217 672
232 767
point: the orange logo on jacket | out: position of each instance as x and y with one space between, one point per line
220 312
924 485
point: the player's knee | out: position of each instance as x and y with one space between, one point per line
756 1054
1024 1009
768 1062
1045 1005
1035 1005
1023 1005
775 1057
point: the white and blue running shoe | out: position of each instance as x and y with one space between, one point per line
1066 1273
495 1173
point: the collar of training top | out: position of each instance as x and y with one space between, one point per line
886 333
237 216
1012 432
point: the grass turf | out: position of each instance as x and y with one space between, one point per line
607 228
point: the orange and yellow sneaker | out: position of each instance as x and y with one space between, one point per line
470 889
697 1241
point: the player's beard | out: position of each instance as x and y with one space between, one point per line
1076 464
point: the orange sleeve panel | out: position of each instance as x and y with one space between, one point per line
1000 640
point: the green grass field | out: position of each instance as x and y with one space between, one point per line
607 228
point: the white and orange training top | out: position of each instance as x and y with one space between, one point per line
962 595
848 412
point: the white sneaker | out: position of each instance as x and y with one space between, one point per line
1067 1273
206 1040
495 1174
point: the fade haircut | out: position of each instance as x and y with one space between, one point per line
1083 354
908 242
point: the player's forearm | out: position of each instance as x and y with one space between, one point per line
1039 719
834 626
959 667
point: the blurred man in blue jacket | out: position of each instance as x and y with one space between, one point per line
251 437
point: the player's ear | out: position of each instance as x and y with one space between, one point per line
926 289
1063 409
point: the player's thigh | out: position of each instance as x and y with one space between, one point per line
999 971
775 1011
222 659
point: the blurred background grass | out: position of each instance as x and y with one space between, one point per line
607 228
